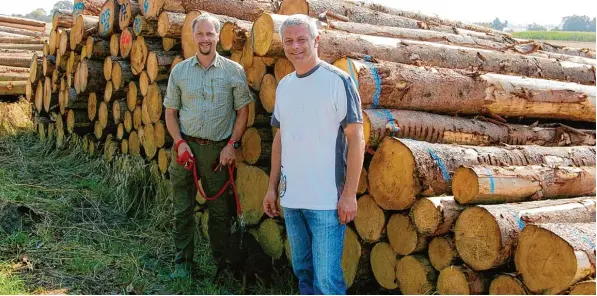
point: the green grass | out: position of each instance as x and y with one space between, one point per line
96 228
556 35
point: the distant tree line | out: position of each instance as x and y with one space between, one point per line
578 23
40 14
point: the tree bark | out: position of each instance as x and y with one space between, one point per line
129 9
91 77
383 265
18 31
334 45
448 91
84 26
418 34
461 280
97 48
109 18
151 9
158 64
87 7
170 24
12 87
542 272
20 40
433 216
436 128
76 121
13 76
486 235
13 60
63 18
248 10
22 21
36 47
403 169
415 275
493 184
233 34
40 30
506 284
403 235
371 221
442 252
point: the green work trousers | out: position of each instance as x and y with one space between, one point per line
183 196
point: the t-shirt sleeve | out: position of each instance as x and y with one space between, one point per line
241 92
276 114
173 93
349 103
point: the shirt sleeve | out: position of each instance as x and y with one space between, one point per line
173 93
241 93
275 122
349 103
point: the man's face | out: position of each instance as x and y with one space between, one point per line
206 37
298 44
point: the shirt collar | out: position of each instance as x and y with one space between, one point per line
216 62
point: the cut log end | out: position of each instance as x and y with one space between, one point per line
108 68
263 31
363 185
251 183
163 160
270 238
477 227
465 185
426 216
370 221
134 144
251 145
415 275
351 255
505 284
442 252
267 93
383 264
403 236
584 288
544 272
392 176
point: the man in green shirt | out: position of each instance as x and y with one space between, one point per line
206 114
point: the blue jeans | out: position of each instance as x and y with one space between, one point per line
316 242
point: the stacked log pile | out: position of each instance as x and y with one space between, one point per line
21 41
480 148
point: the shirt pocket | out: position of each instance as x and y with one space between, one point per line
217 89
191 91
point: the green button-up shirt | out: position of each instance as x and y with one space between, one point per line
207 98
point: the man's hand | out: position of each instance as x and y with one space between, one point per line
347 208
228 155
184 147
270 205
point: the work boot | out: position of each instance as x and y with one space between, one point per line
181 271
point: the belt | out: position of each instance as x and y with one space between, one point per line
201 141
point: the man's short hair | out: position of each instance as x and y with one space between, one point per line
297 20
206 17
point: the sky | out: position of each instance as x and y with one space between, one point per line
515 11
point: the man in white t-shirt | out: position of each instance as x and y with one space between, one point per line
317 157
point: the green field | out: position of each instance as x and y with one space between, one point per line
556 35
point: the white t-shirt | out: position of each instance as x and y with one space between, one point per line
312 111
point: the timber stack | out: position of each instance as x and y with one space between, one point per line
480 157
21 41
